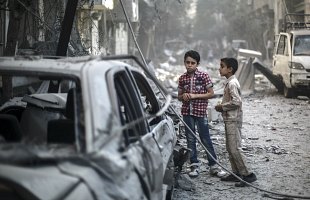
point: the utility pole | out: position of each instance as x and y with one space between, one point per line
66 28
64 38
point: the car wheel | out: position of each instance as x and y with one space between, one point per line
169 179
169 195
288 92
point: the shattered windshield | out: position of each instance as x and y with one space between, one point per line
302 45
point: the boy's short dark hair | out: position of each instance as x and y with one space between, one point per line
231 62
193 54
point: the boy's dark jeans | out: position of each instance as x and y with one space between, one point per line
203 130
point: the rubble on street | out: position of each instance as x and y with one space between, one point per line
276 137
275 142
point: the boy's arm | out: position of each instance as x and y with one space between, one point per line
207 95
180 95
209 86
180 91
183 96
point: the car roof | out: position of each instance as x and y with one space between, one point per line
65 66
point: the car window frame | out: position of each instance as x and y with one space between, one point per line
282 46
147 92
126 87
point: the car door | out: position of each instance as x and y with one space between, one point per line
140 145
162 126
162 129
281 59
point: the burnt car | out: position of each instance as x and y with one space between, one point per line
82 128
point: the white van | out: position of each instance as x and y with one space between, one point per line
291 62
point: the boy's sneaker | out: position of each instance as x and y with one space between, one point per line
230 178
194 170
217 171
249 178
221 174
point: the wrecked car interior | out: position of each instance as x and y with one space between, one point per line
84 128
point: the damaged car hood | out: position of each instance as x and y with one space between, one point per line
38 173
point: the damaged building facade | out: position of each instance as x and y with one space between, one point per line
100 27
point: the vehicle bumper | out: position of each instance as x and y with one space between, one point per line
301 80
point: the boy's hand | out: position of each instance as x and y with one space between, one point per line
219 108
186 97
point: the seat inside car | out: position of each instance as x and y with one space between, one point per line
10 128
62 130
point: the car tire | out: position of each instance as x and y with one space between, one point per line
169 195
288 92
170 176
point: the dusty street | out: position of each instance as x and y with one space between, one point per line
276 145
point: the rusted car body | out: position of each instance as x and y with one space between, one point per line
78 128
